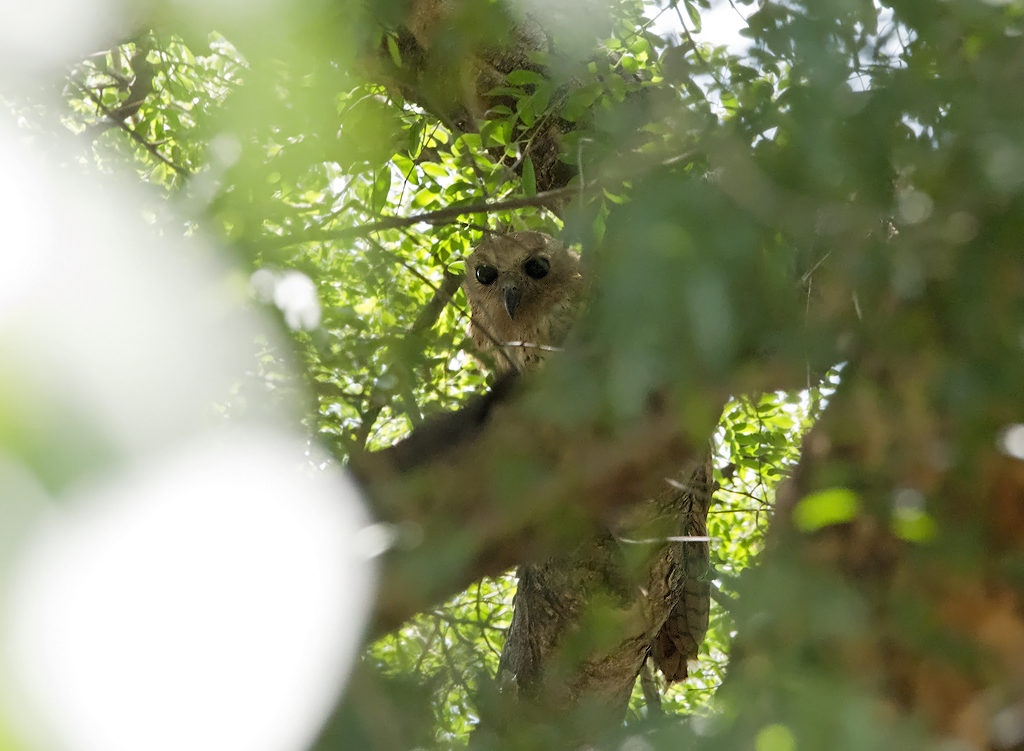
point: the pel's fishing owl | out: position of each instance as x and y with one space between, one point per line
524 291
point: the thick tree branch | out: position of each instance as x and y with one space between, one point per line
432 310
523 487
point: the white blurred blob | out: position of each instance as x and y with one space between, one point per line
703 725
1011 441
21 495
205 593
914 206
292 292
212 600
636 743
720 25
262 283
908 500
225 149
1007 727
376 539
1003 161
575 24
47 33
102 318
295 295
229 8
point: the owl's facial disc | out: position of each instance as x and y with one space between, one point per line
513 296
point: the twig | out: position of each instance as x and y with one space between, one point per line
670 538
726 601
441 216
426 318
109 114
432 310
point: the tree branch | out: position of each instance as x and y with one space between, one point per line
446 215
455 499
135 136
425 320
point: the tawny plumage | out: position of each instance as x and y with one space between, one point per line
679 640
523 290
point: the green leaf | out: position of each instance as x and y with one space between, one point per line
524 77
405 166
914 525
424 197
505 91
617 88
694 14
492 134
579 101
826 507
366 307
433 169
393 51
529 177
775 738
542 97
381 188
524 107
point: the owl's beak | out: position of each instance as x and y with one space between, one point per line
512 298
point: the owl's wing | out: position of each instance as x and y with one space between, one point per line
683 632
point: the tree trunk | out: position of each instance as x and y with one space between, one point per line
584 624
452 55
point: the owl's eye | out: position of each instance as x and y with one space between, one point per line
486 274
537 267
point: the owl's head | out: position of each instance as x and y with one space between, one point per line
520 278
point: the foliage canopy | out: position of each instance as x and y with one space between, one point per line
839 206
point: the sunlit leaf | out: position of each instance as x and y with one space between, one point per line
529 177
826 507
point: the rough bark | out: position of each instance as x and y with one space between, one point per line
441 484
553 596
458 77
584 623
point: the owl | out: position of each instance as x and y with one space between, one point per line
523 290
